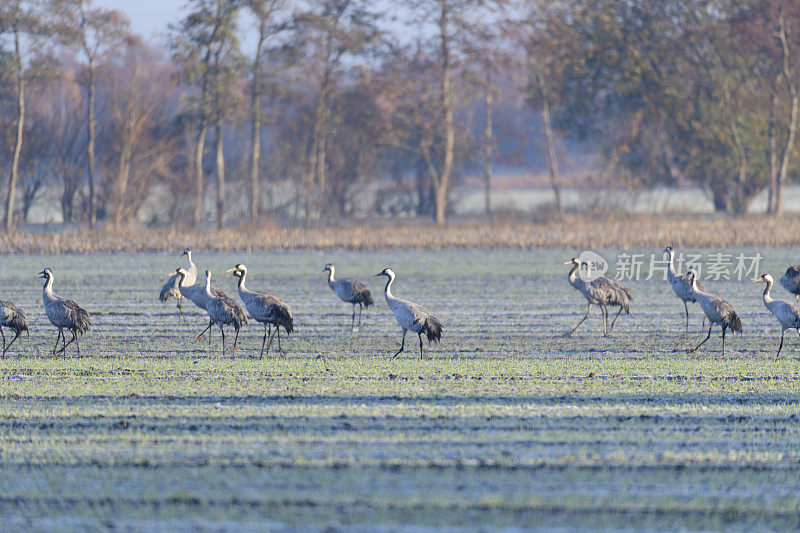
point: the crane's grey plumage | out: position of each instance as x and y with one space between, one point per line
13 318
410 316
350 291
787 314
265 308
681 286
196 293
223 311
172 287
717 310
791 281
63 314
602 291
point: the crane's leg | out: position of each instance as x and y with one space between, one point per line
58 338
5 348
723 341
210 323
420 346
263 341
360 307
402 344
686 307
64 348
278 334
223 339
704 340
77 344
180 311
589 308
4 341
236 338
604 310
781 344
271 337
615 319
353 321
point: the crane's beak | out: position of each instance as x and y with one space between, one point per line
42 274
568 262
757 280
378 275
230 272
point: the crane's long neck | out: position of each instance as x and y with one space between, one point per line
181 279
574 280
330 275
242 287
388 289
767 297
189 256
48 286
208 285
671 264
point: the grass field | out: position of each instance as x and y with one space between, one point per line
505 424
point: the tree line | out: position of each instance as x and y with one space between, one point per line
329 99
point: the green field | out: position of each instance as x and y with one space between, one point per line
505 424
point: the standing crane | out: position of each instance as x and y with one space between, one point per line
717 310
681 286
787 314
410 316
602 291
350 291
63 314
791 281
197 294
223 311
172 286
11 317
265 308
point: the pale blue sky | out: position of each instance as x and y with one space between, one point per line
149 18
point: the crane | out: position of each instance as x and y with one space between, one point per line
717 310
350 291
265 308
11 317
787 314
602 291
63 314
172 288
791 281
197 294
223 311
681 286
410 316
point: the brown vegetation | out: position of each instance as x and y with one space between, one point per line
572 232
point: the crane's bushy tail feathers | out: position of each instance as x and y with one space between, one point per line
18 323
365 297
166 291
283 317
432 328
735 323
81 321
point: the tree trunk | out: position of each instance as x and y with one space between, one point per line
197 215
12 182
488 141
555 180
773 155
90 146
123 175
787 152
442 186
255 154
220 176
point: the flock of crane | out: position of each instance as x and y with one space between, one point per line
273 312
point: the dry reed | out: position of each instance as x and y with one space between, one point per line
569 232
